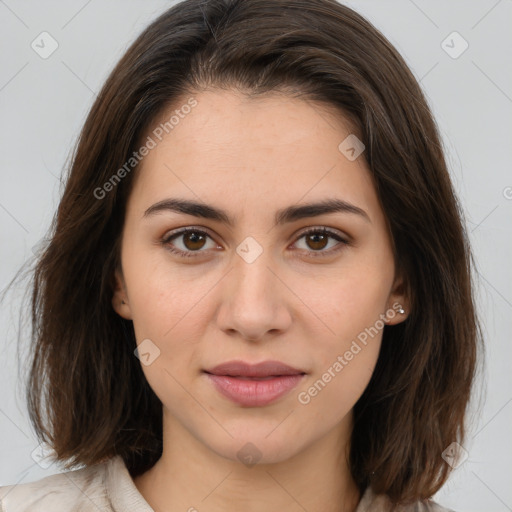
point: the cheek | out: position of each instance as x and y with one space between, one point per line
163 297
343 368
345 308
353 306
167 310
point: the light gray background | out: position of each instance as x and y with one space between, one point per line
44 103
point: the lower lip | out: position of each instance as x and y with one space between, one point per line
254 393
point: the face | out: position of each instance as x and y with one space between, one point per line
306 288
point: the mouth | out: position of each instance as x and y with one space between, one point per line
254 385
259 370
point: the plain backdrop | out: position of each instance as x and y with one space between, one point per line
44 103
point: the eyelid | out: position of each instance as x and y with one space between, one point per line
333 233
343 241
176 233
181 231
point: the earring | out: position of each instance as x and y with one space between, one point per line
401 310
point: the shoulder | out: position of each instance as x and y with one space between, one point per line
79 490
371 502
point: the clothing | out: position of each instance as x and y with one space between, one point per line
108 487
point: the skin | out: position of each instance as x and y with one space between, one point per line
252 157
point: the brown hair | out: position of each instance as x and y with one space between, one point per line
83 372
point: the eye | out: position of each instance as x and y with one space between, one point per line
317 239
193 240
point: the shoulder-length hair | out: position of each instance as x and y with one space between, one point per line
87 395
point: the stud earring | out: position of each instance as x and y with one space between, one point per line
401 310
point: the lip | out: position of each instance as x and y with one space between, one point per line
254 385
263 369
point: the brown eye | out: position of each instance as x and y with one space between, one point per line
193 240
317 241
188 242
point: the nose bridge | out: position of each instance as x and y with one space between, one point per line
252 278
254 303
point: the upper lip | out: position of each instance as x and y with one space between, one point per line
263 369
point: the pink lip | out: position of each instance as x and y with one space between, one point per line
254 385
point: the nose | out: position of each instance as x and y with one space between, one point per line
255 302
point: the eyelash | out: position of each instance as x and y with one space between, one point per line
188 254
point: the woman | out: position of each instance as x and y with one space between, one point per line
257 293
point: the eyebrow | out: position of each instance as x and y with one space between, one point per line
283 216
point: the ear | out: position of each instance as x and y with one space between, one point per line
120 301
397 302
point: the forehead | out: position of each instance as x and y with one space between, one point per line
269 150
229 120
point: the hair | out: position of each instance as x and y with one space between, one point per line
87 395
